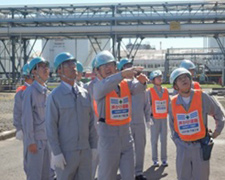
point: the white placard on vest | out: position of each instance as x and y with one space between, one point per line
160 106
188 124
119 108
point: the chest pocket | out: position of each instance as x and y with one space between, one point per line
40 105
85 102
84 105
39 113
67 104
67 109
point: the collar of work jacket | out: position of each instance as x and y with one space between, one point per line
91 82
39 87
26 84
67 90
181 101
156 89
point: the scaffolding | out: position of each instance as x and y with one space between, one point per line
19 25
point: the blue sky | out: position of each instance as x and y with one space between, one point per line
165 43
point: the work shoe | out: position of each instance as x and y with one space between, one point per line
155 164
140 177
164 164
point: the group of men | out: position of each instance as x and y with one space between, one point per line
69 132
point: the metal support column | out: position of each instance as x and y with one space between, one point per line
118 48
43 48
32 47
166 67
223 51
1 64
92 44
114 40
139 44
99 47
114 36
132 48
13 59
8 52
25 58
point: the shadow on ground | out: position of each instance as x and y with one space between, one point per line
155 173
117 178
152 173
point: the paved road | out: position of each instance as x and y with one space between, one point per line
11 160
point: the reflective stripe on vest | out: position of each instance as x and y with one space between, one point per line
21 88
196 85
189 124
118 109
159 105
95 108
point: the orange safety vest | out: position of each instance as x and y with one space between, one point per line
159 105
21 88
196 85
95 108
189 124
118 108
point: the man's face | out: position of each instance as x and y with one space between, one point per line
79 76
28 80
108 69
192 71
128 65
183 83
68 69
158 80
42 70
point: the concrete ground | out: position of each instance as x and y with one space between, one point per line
12 163
6 109
12 168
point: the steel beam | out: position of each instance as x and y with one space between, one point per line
223 51
13 59
113 21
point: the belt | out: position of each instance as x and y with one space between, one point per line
192 142
102 120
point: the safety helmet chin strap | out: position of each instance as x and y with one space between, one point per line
64 76
39 77
70 79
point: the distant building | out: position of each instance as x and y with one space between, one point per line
140 46
81 48
151 60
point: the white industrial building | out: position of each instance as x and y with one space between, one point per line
81 49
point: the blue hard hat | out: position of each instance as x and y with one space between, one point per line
62 57
36 61
187 64
123 62
155 74
104 57
177 72
93 63
26 70
79 67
